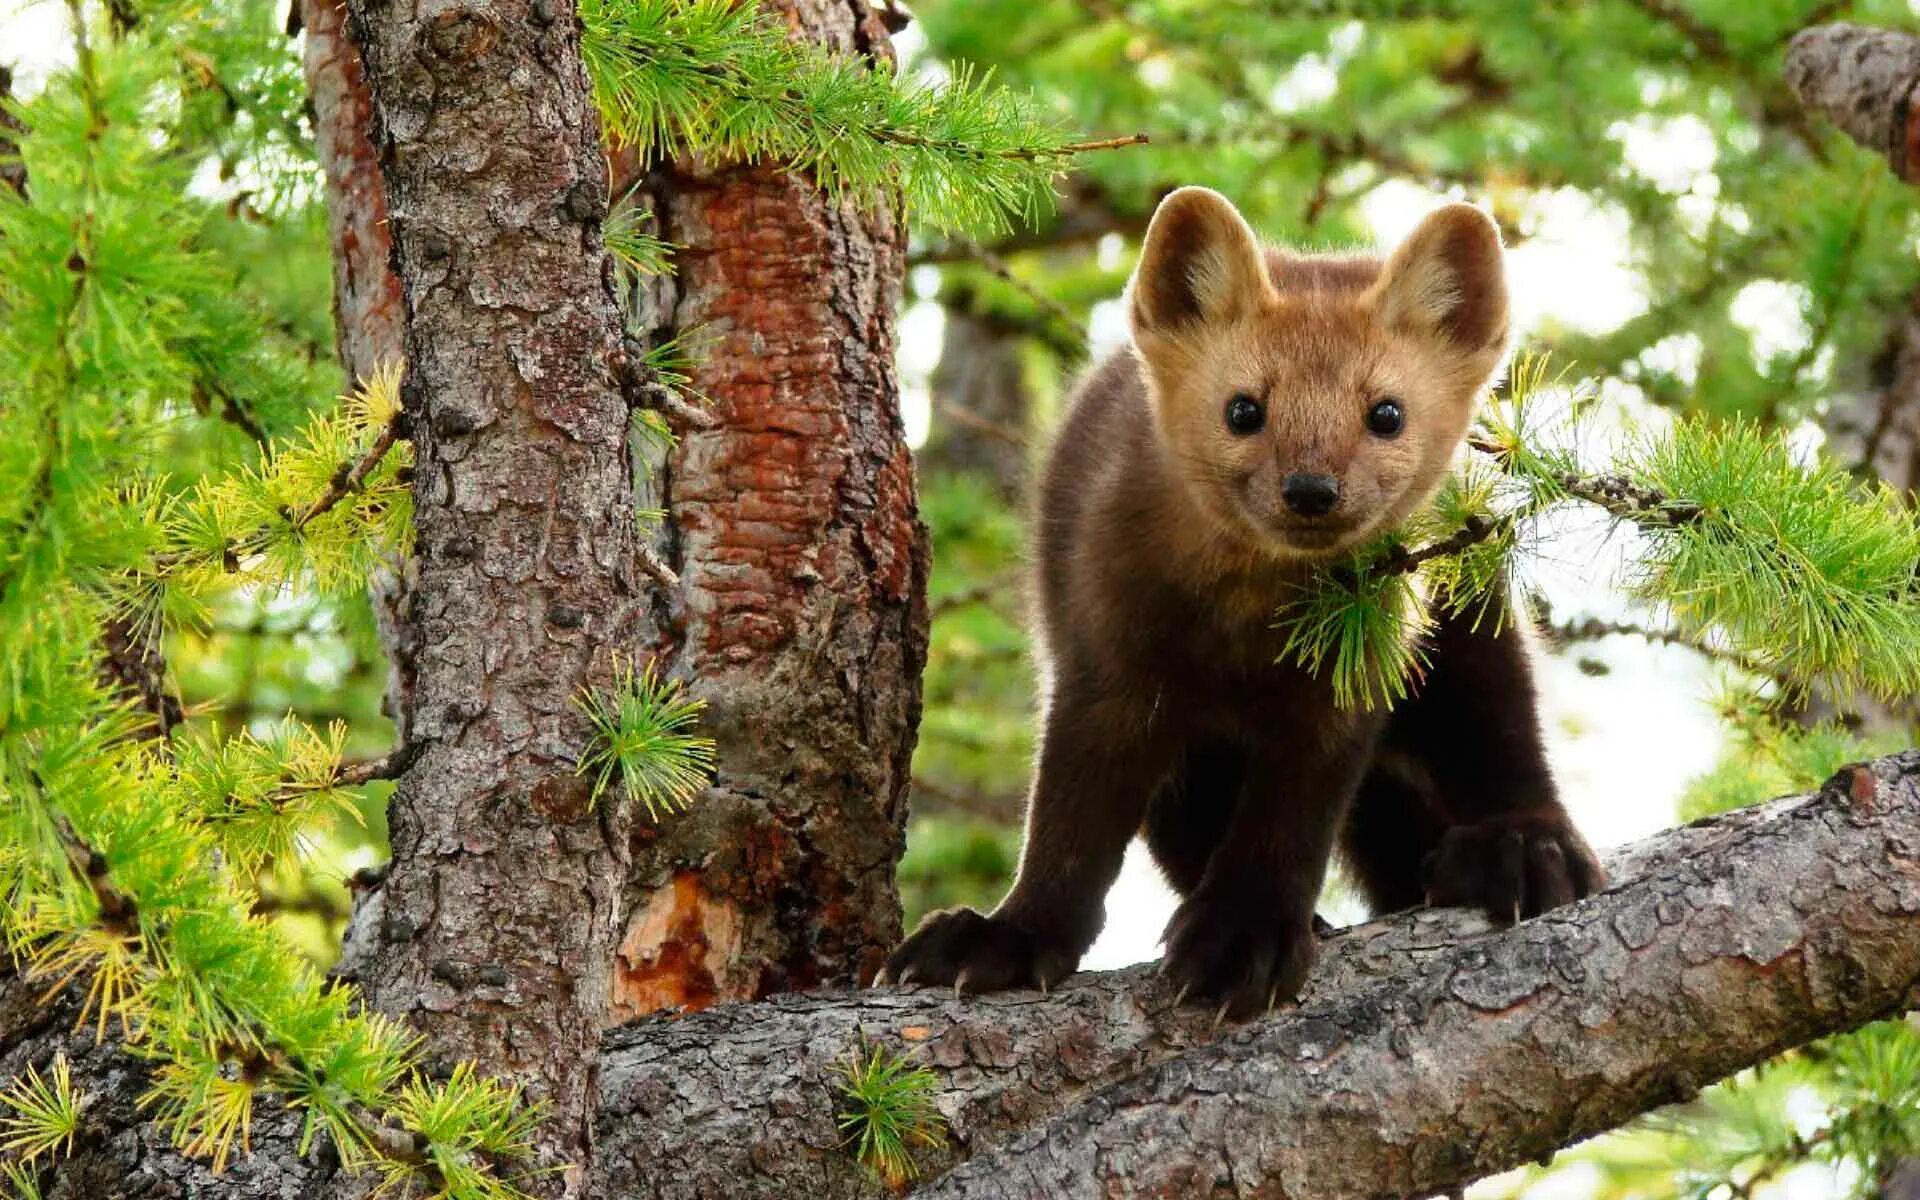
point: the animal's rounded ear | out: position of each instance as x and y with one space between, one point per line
1449 279
1200 265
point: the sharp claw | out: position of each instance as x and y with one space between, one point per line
880 978
1516 913
1180 997
1221 1015
960 985
1273 997
908 976
1043 987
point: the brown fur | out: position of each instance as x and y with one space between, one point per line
1165 544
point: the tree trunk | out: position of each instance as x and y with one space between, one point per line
499 914
369 314
368 310
801 618
1427 1051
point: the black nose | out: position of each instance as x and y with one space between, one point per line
1310 495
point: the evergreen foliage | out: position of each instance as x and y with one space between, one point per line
642 734
887 1111
175 471
708 75
43 1113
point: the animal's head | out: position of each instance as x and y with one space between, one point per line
1311 407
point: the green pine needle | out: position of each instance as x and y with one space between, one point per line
888 1110
641 733
44 1114
720 79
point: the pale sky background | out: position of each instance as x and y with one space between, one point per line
1624 744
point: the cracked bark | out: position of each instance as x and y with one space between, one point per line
493 931
1427 1051
801 618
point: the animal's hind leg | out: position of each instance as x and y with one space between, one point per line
1188 815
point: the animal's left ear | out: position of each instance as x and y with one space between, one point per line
1448 279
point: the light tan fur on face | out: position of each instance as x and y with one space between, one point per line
1319 341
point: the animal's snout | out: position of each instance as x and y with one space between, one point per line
1309 494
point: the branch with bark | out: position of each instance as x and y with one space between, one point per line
1863 80
1427 1051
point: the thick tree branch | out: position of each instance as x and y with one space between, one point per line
1427 1051
1863 80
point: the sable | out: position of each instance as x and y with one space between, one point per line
1273 412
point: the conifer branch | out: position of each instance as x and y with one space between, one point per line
987 425
644 389
350 475
1476 529
723 81
345 480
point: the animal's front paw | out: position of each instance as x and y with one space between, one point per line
1238 950
974 953
1513 868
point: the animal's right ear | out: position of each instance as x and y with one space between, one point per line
1200 265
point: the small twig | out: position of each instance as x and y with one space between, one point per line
349 477
117 908
973 420
346 478
1476 529
1647 507
1002 270
967 598
312 903
642 388
1594 629
654 567
1644 506
390 765
1112 143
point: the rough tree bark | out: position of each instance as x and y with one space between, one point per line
498 917
1427 1051
801 615
1863 80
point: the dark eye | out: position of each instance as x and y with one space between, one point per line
1385 419
1245 414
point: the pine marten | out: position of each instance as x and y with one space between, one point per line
1273 412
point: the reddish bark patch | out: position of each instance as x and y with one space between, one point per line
366 292
672 947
